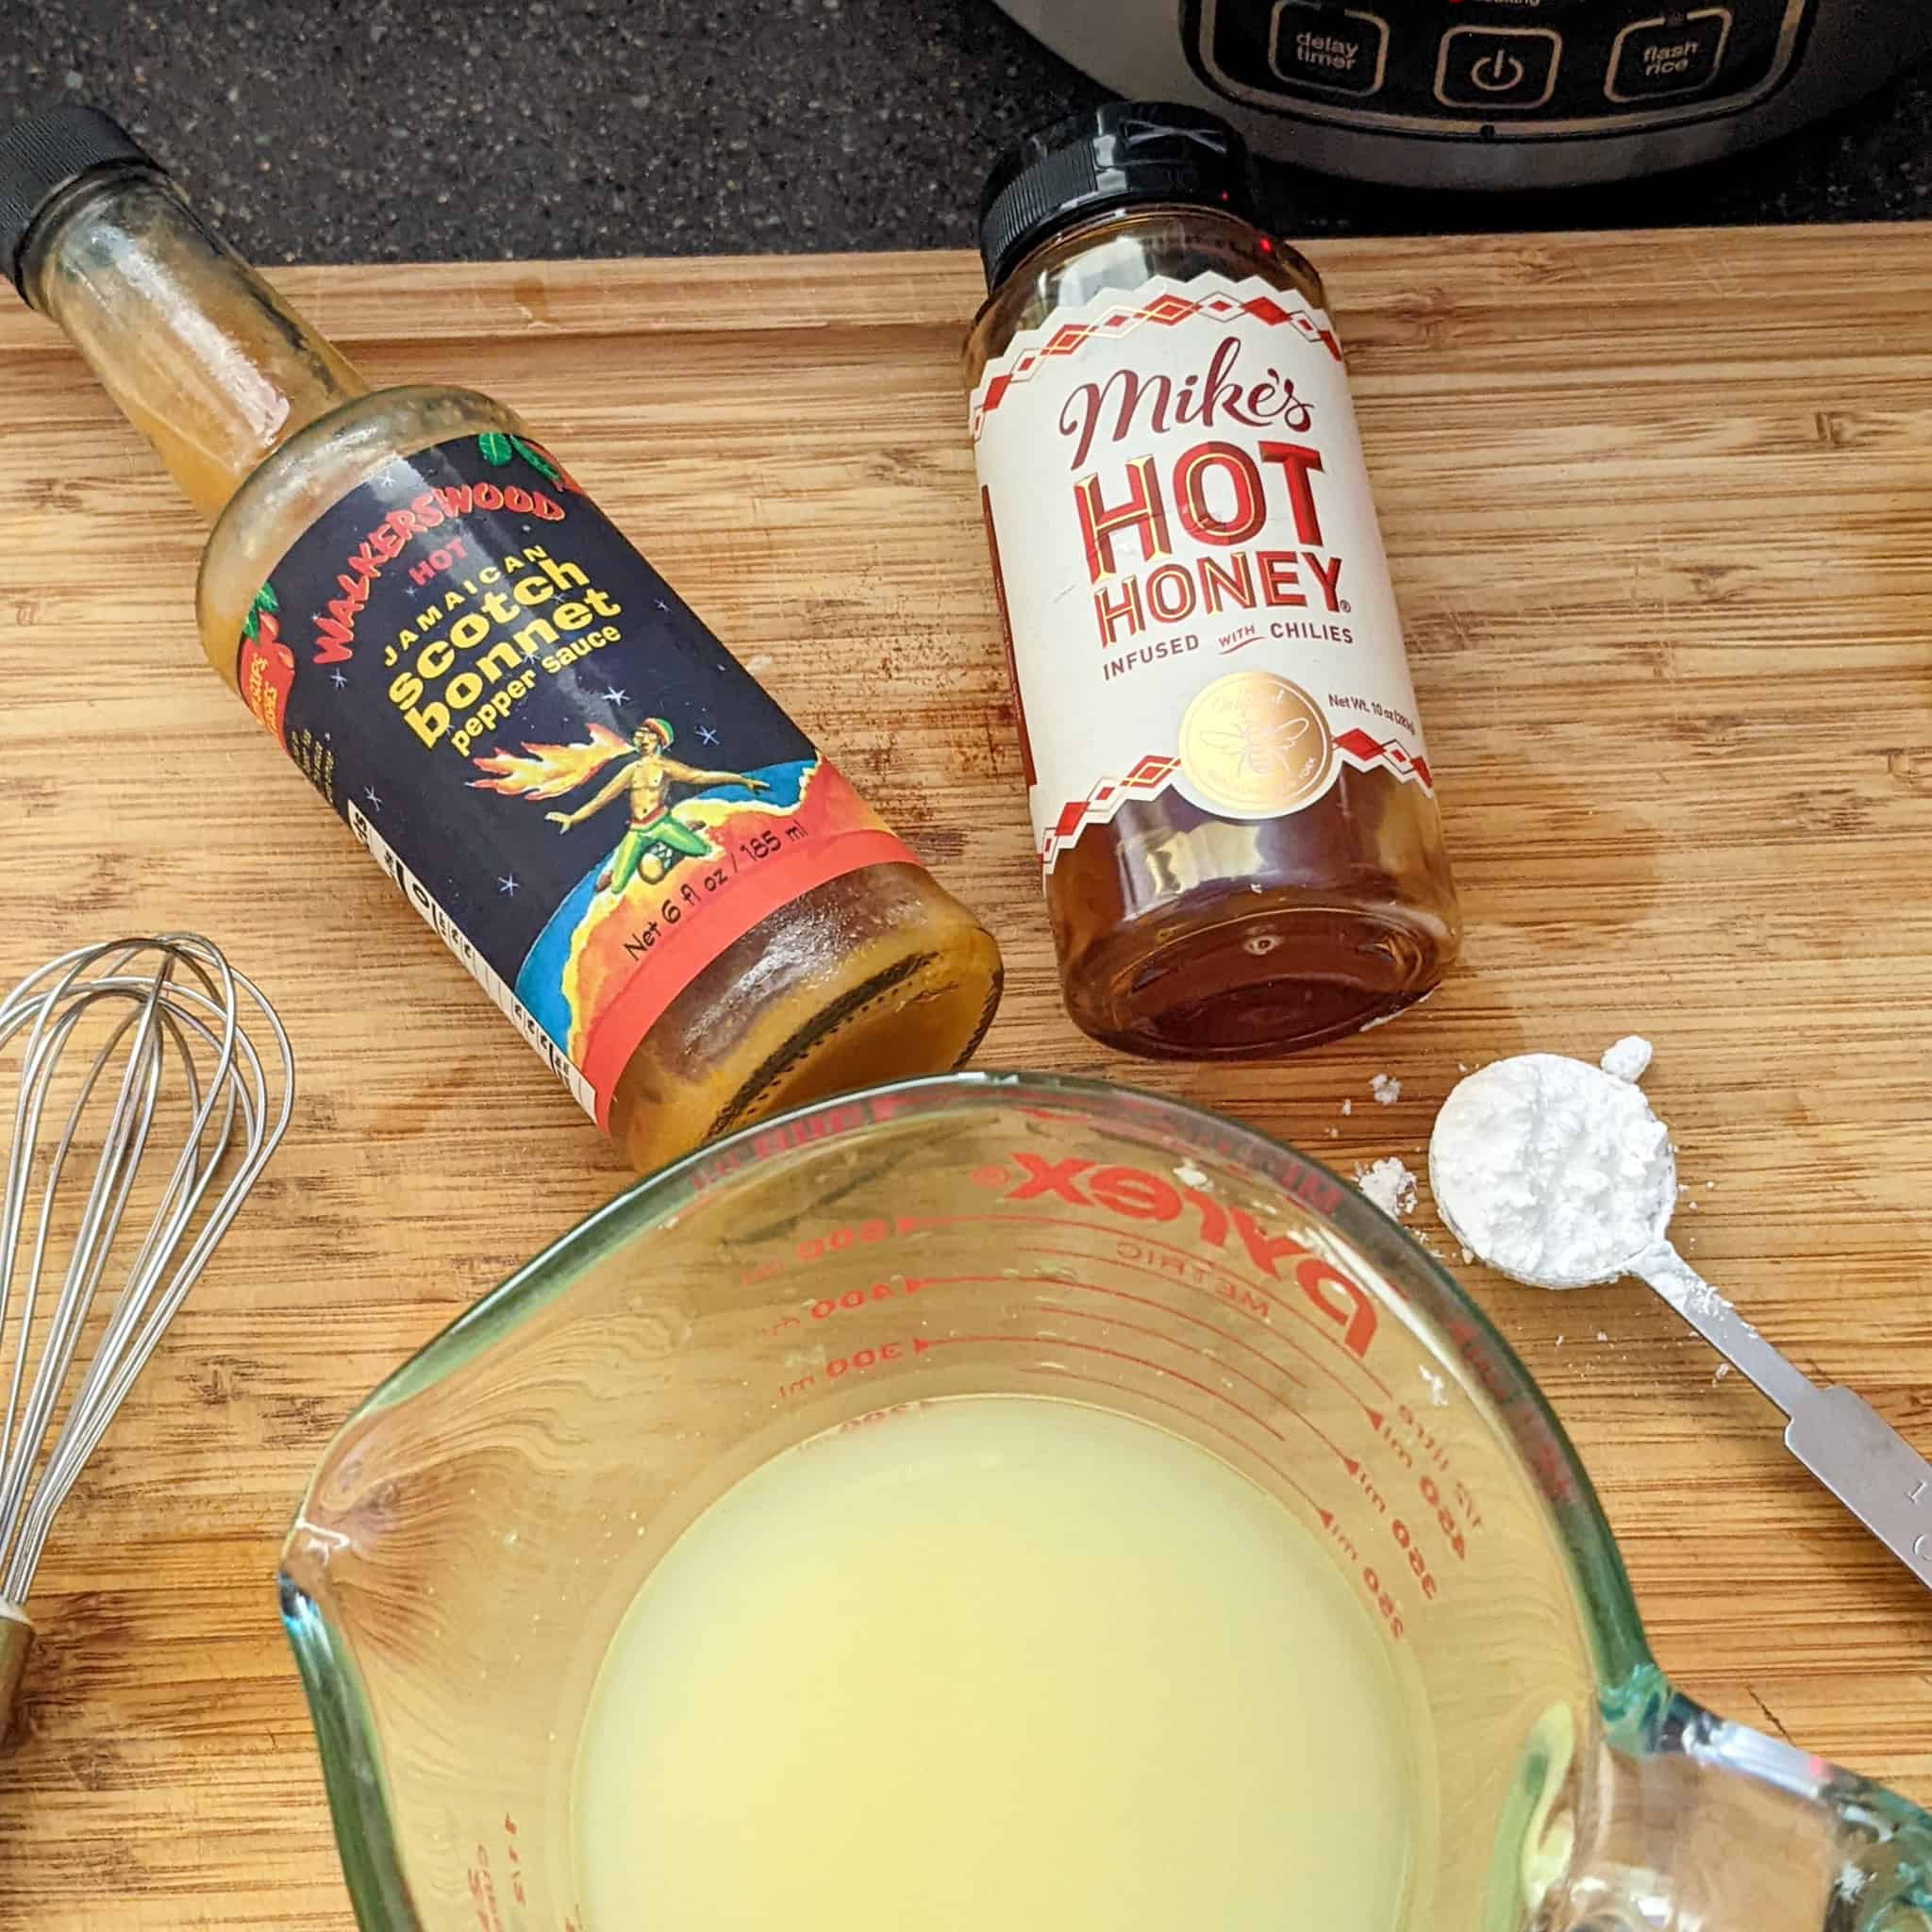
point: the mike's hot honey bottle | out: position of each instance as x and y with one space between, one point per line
1231 800
671 893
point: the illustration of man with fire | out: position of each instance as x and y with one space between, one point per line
657 838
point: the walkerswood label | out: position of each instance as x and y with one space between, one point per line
559 767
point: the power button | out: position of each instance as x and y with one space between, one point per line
1497 67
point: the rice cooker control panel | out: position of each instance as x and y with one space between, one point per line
1497 70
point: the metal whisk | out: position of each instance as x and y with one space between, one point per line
163 1056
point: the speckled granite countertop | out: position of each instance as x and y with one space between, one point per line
339 131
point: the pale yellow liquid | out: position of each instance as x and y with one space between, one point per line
996 1664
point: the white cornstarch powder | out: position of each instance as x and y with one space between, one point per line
1387 1088
1628 1060
1551 1170
1389 1185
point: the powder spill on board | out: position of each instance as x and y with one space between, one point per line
1628 1059
1390 1185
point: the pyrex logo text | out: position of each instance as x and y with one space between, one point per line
1138 1195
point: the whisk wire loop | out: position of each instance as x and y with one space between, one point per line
187 1019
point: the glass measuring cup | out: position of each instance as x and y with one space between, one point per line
479 1527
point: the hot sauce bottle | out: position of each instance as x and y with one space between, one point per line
664 885
1232 802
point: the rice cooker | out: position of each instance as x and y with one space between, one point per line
1491 93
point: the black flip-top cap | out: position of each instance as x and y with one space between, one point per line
40 155
1108 157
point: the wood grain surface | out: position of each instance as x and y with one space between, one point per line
1660 513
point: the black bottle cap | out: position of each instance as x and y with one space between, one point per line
40 155
1108 157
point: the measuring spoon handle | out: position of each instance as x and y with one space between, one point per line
1720 1324
1871 1468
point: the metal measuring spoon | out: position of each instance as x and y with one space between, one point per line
1493 1191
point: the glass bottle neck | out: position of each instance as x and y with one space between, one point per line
201 356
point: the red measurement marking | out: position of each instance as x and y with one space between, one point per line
1418 1563
1227 1301
1381 1600
1163 1335
892 1412
1445 1517
1378 1598
1182 1315
862 1358
888 1412
1404 1536
516 1876
1119 1355
483 1892
813 1249
1425 1438
920 1347
1370 1578
860 1297
1159 1307
1533 1440
1343 1542
840 1240
1328 1330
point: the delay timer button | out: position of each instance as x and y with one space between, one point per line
1337 50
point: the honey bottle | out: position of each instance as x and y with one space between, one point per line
663 884
1231 799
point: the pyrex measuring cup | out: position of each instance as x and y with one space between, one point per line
480 1526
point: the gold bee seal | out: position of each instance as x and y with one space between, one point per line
1255 745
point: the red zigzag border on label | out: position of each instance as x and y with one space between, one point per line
1165 311
1148 777
1364 753
1151 773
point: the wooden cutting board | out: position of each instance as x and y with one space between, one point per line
1660 513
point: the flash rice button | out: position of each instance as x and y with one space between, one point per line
1673 55
1496 68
